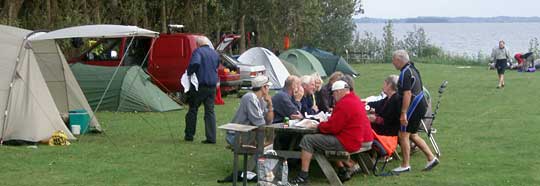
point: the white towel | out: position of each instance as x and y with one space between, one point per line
186 80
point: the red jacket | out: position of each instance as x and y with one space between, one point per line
349 123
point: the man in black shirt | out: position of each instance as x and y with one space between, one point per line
413 108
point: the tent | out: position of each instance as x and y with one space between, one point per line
292 70
33 90
131 89
274 68
331 62
305 63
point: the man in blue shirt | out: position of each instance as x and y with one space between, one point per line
204 63
287 101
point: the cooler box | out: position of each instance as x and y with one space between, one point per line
79 117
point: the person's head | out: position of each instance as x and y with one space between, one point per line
334 77
291 84
261 83
318 81
400 58
340 88
349 80
202 40
501 44
308 84
390 84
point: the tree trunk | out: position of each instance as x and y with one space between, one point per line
11 10
163 17
242 34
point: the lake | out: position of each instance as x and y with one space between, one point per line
465 38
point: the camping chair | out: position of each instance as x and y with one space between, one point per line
427 121
384 147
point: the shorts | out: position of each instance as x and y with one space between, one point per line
320 142
500 65
416 118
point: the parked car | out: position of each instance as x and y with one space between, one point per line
247 72
168 59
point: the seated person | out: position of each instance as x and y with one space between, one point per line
384 114
308 100
346 130
287 104
325 102
255 106
284 102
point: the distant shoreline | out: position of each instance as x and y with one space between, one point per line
500 19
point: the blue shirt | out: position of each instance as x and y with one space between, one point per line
284 106
307 105
204 62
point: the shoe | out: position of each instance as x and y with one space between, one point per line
434 162
208 142
343 175
401 169
190 139
502 85
498 87
298 180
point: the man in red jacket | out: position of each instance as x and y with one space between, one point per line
346 130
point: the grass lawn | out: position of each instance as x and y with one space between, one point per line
487 137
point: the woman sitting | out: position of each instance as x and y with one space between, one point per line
384 114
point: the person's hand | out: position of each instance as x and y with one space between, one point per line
403 119
267 98
296 116
312 124
315 108
299 94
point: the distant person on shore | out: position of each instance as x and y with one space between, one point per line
500 56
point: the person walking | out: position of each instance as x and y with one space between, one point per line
500 56
204 64
413 108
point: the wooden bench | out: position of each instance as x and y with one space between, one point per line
362 158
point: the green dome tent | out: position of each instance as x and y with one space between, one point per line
331 62
305 63
130 90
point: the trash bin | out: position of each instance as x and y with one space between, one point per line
79 117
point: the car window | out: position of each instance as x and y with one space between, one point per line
105 50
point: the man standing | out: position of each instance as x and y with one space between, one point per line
500 56
348 129
413 108
204 63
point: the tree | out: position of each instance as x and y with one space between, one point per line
388 42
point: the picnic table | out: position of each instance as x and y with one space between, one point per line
322 158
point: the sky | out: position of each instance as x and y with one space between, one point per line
450 8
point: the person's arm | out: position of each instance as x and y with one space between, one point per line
405 106
269 117
335 123
254 112
508 55
493 55
194 63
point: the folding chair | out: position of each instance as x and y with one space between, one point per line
427 121
384 147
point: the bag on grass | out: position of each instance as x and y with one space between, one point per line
272 170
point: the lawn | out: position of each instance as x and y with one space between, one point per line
487 137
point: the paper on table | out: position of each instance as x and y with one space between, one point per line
321 116
305 123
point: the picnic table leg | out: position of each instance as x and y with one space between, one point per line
245 169
327 169
235 158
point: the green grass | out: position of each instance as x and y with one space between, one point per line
487 136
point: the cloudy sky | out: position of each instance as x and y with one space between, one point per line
450 8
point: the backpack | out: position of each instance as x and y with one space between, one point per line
272 170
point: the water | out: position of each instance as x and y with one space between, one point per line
466 38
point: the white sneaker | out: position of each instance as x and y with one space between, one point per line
401 169
434 162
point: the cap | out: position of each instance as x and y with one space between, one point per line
260 81
340 84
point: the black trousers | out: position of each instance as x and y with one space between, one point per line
206 96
